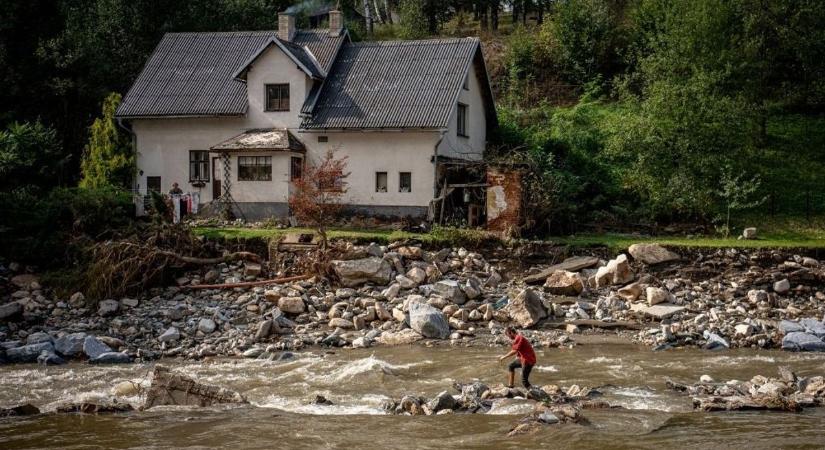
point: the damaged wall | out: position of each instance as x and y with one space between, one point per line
504 196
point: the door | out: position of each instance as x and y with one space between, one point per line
217 174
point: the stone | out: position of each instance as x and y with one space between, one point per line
253 352
264 330
527 308
812 326
391 292
129 302
749 233
291 305
743 330
706 379
630 292
356 272
381 311
714 341
472 288
782 286
441 401
807 261
70 345
96 407
339 322
405 282
111 358
111 341
10 310
272 296
563 282
404 337
171 388
802 342
170 335
651 254
38 337
24 281
251 269
77 300
617 271
656 295
126 389
756 296
28 353
93 347
50 359
451 291
417 274
660 311
787 326
26 409
573 264
206 326
428 321
108 307
211 276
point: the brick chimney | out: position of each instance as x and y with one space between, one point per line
286 26
336 22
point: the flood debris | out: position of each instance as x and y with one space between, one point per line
105 406
786 393
172 388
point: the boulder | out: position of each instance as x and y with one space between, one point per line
206 326
813 326
26 409
787 326
24 280
77 300
38 337
359 271
802 342
749 233
755 296
130 302
126 389
108 307
451 291
563 282
660 311
338 322
630 292
573 264
93 348
782 286
251 269
111 358
70 345
28 353
404 337
170 335
617 271
527 308
50 359
170 388
291 305
714 341
10 310
264 330
428 321
651 253
656 295
417 274
443 400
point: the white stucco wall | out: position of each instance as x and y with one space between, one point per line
472 146
275 67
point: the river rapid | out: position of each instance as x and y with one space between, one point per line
359 381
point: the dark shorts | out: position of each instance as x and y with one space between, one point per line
525 371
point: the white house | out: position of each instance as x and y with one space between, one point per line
234 115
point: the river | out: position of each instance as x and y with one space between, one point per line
358 381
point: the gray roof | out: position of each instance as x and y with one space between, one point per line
191 74
272 139
394 84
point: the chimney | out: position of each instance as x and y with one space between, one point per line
336 22
286 26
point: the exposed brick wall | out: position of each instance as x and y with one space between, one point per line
504 198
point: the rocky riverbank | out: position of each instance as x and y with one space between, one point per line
403 293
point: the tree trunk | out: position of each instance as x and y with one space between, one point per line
368 16
388 11
494 15
378 11
516 11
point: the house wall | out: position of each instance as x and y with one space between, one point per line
275 67
471 147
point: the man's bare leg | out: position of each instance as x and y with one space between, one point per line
512 378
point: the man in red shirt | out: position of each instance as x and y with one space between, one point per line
526 357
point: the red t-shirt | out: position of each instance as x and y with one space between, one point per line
524 350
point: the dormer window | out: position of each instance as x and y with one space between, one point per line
277 97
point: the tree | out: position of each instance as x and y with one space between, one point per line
30 156
109 157
413 20
738 193
317 194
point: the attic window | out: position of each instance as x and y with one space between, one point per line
466 84
461 115
277 97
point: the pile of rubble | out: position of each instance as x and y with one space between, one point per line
402 293
786 393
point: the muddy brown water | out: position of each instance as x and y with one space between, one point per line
358 381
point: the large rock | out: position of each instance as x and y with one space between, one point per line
617 271
359 271
573 264
70 345
206 326
404 337
563 282
93 348
656 295
660 311
10 310
170 335
108 307
527 308
170 388
442 401
111 358
651 253
29 353
802 342
428 321
788 326
291 305
782 286
451 291
813 326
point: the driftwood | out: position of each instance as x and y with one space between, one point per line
245 256
250 283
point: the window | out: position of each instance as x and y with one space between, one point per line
277 97
323 139
296 168
198 165
152 184
380 181
404 182
254 168
466 85
462 120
